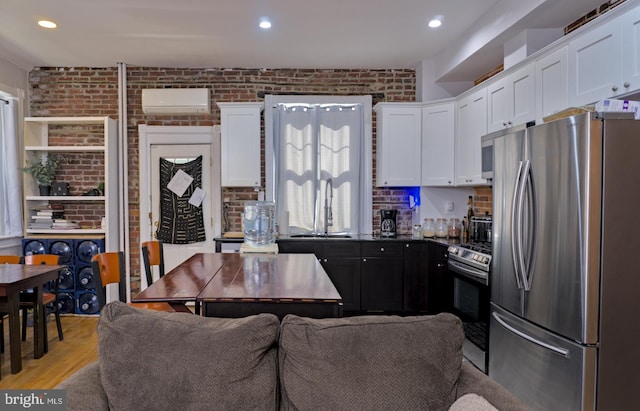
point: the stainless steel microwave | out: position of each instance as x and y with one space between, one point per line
487 159
487 155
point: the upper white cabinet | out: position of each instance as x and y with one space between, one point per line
511 99
438 136
631 50
595 64
398 144
472 125
552 83
240 144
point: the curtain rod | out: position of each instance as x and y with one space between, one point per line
5 101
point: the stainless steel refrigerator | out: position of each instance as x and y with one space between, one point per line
565 280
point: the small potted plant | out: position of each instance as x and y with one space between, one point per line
43 172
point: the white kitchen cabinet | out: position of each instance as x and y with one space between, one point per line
398 144
631 50
471 126
511 99
79 141
552 83
240 144
438 150
595 64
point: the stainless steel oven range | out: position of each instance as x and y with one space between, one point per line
470 266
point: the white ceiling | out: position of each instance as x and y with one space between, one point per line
305 34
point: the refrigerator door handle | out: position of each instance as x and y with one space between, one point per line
557 350
519 221
528 192
515 219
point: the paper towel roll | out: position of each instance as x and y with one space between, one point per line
284 224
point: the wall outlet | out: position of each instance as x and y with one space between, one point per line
448 207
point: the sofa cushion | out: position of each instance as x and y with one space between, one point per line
370 362
152 360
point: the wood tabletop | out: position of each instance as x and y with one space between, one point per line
184 283
210 277
270 277
22 277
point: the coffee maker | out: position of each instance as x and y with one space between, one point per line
388 223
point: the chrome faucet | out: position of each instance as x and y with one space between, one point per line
328 201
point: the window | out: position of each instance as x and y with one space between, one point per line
10 178
318 157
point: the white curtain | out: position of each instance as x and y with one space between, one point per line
312 143
10 172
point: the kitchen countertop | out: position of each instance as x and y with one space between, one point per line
361 237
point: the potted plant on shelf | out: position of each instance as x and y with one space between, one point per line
43 172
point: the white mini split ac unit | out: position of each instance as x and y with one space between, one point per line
176 101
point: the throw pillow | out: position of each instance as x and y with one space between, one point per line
370 362
472 402
150 360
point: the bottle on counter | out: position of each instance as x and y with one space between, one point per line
470 213
465 229
428 228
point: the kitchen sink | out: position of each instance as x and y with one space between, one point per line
320 236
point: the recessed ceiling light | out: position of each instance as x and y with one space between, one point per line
265 24
47 24
435 23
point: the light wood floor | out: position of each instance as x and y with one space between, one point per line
79 347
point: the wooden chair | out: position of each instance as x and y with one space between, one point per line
49 299
6 259
108 268
152 255
10 259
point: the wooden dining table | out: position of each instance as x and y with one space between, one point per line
15 278
237 285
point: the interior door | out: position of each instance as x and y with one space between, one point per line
174 254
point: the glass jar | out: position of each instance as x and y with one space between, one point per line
455 228
442 227
428 228
417 231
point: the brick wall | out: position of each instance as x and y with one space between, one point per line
482 200
94 92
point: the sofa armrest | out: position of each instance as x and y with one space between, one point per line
84 389
473 381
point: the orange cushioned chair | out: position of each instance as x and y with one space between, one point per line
152 255
10 259
49 299
108 268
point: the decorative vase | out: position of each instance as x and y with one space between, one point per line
44 190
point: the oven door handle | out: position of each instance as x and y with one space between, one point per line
469 272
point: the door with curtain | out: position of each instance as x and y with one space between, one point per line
314 144
181 220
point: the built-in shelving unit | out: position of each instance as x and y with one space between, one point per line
90 144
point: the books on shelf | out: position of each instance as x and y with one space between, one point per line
51 217
62 224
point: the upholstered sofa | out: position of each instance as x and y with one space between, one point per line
175 361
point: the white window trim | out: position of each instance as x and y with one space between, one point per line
366 101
